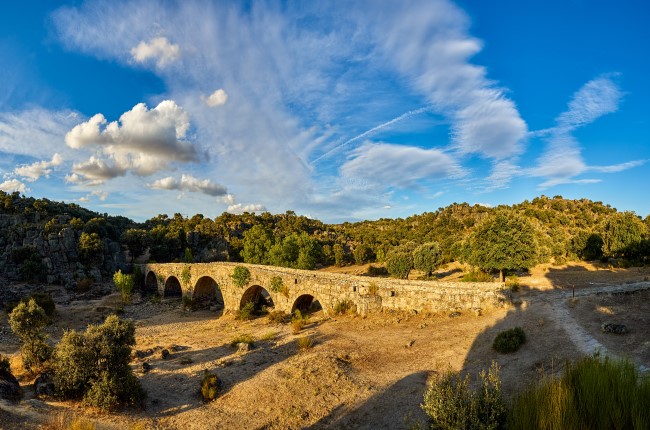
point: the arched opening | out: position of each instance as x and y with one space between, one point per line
259 297
207 293
173 288
306 304
150 284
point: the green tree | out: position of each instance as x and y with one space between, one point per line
593 247
621 233
124 283
399 262
362 254
136 240
90 248
257 244
427 257
27 321
94 366
339 254
503 241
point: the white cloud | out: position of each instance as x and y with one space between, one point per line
229 199
11 185
428 42
143 141
94 172
240 208
398 165
596 98
157 49
32 172
190 183
217 98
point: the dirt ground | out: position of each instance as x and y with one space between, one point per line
362 372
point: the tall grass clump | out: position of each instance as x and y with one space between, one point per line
247 312
593 393
209 387
451 404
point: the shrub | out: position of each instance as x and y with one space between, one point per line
242 338
343 307
4 364
240 276
188 303
31 263
278 317
298 321
209 387
94 366
399 263
247 312
509 340
44 300
90 248
27 321
124 283
427 257
451 404
592 393
477 276
373 289
305 343
186 275
377 271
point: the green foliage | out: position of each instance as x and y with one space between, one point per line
305 343
621 233
344 307
241 276
298 251
90 248
257 243
242 338
188 303
27 321
593 393
188 257
186 275
339 255
298 321
279 317
427 257
209 387
399 263
94 366
509 340
501 242
246 312
124 284
136 240
44 300
476 276
451 404
30 262
593 249
277 286
362 254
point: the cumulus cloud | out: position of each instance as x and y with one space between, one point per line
32 172
157 49
240 208
562 160
399 165
143 141
94 172
192 184
217 98
11 185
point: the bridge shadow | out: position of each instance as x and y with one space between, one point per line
394 408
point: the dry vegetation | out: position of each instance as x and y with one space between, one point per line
359 372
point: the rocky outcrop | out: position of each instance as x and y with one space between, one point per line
58 251
9 387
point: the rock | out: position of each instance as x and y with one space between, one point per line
146 367
454 315
478 312
614 328
243 347
164 354
187 360
9 387
44 385
409 344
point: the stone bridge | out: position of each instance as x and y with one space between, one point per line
289 289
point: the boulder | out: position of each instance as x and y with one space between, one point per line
614 328
9 387
44 385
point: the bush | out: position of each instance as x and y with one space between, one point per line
399 263
4 364
90 249
124 283
44 300
247 312
209 387
278 286
450 404
477 276
240 276
593 393
242 338
278 317
27 321
94 366
31 263
298 321
509 340
188 303
377 271
343 307
304 343
427 257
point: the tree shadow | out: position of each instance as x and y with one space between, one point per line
395 407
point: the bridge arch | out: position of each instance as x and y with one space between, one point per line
150 283
206 291
172 287
306 303
257 295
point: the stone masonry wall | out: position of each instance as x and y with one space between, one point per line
368 294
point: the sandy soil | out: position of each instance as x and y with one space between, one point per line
361 372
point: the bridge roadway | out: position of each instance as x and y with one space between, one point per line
289 289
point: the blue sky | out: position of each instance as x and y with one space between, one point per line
336 110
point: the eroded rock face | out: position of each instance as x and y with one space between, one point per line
9 387
614 328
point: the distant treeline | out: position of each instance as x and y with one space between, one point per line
561 230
